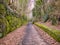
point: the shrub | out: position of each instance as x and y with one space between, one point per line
9 21
54 21
4 27
54 33
2 10
13 21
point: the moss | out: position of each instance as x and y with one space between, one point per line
54 33
2 6
4 26
0 35
54 21
2 10
7 1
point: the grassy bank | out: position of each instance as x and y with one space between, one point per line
53 33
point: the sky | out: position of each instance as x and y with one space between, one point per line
30 7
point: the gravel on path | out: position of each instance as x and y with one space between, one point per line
14 37
46 37
32 37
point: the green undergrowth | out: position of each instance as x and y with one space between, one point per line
53 33
9 22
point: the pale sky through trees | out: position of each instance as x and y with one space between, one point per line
30 7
